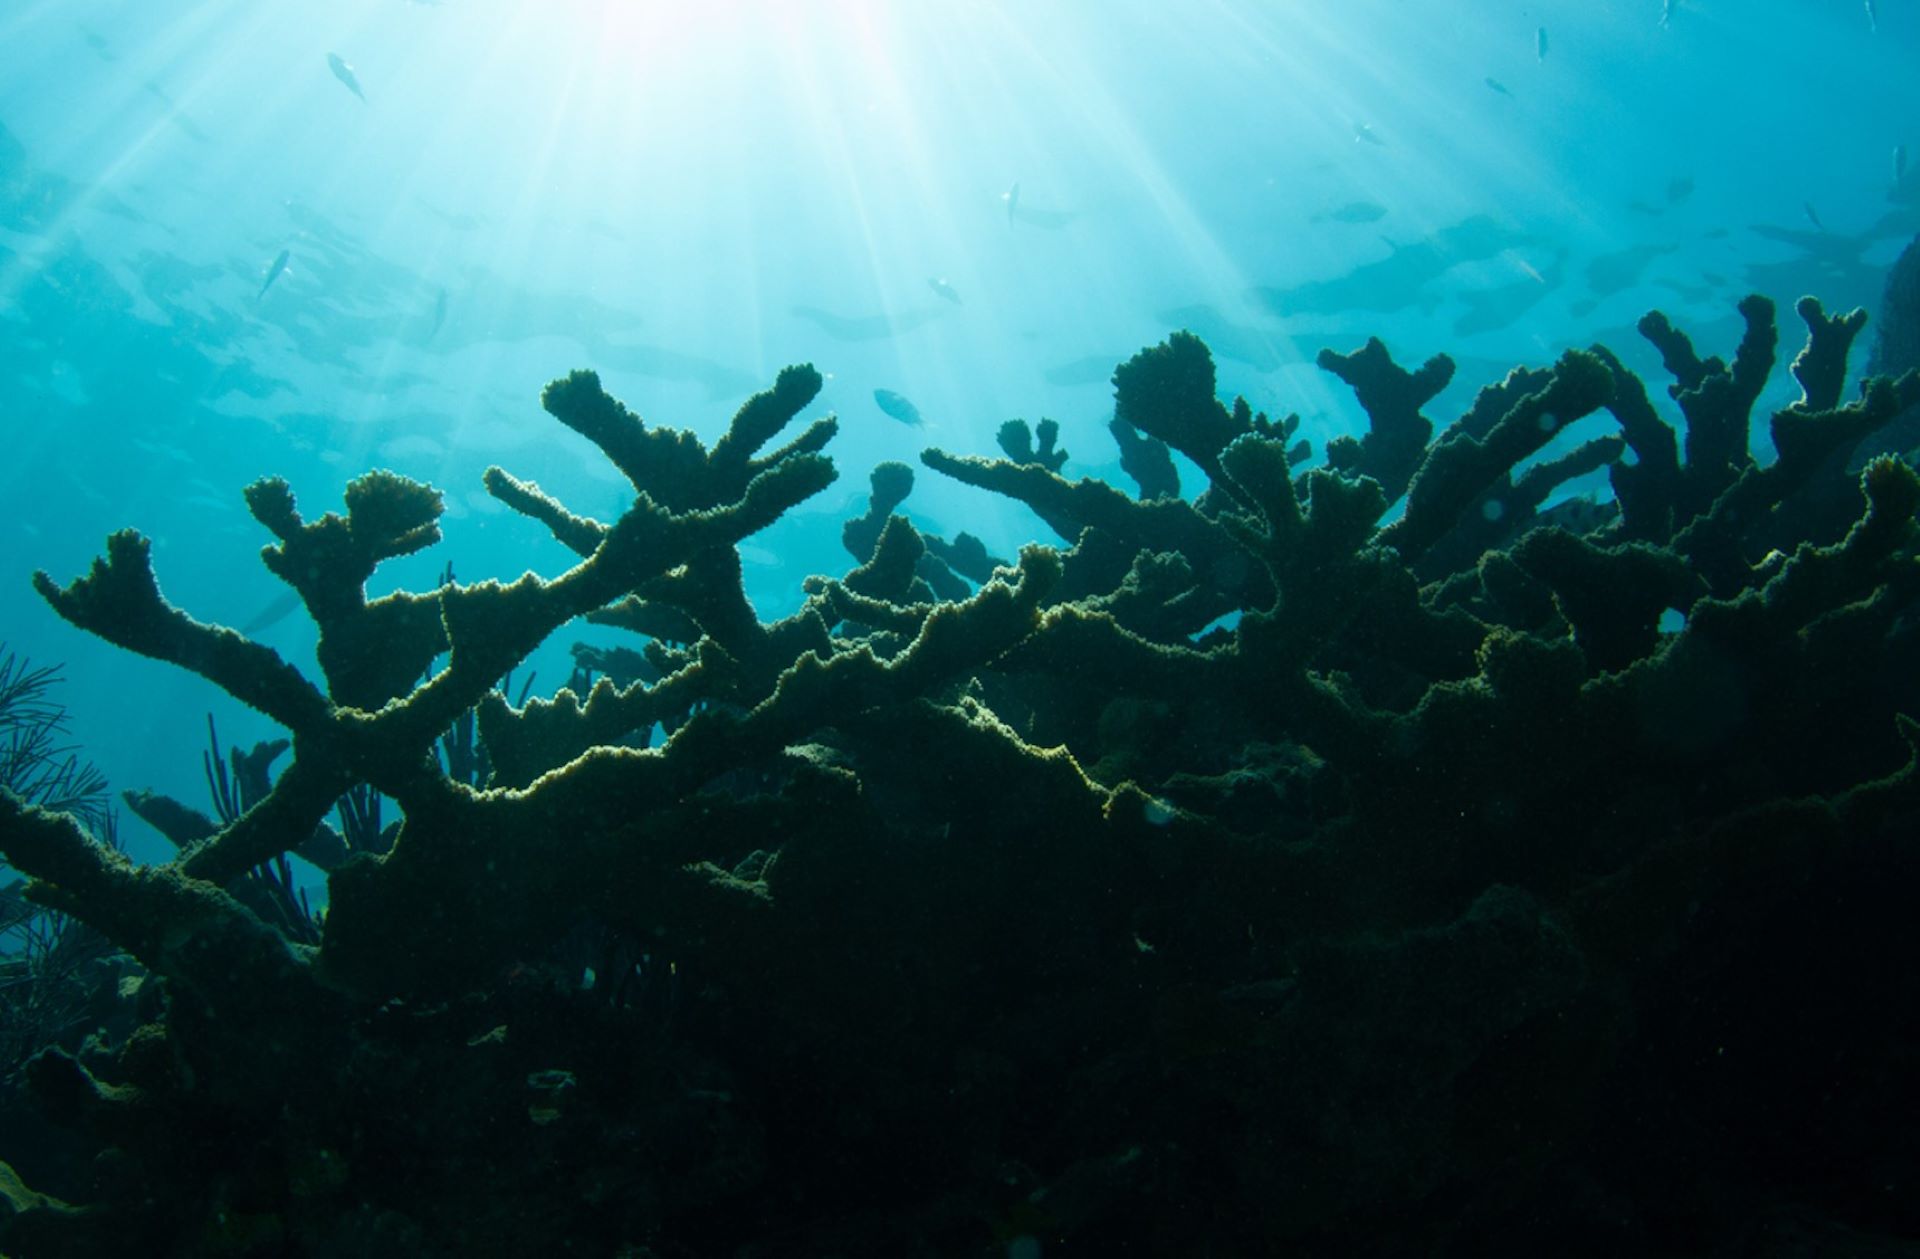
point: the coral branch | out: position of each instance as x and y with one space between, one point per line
120 601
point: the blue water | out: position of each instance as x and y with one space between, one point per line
687 197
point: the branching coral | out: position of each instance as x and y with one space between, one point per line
1255 858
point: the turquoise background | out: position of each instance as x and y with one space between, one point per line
686 197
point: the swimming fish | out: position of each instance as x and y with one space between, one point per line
1498 86
1540 43
1012 197
344 72
1813 216
1355 212
439 312
1666 13
274 269
897 406
273 613
1679 188
1899 162
1873 19
944 289
1364 131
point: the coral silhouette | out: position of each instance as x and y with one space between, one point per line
1254 870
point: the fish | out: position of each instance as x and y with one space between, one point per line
867 327
439 312
274 269
897 406
1399 281
1813 216
1899 162
1502 306
460 221
1364 131
1666 12
1093 369
945 290
282 606
1679 188
1540 43
1498 86
1049 219
1873 19
1616 272
344 72
1012 197
1354 212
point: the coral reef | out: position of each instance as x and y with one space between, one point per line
1256 871
1896 347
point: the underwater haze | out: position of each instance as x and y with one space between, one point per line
686 197
959 628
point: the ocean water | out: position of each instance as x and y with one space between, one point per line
684 198
242 239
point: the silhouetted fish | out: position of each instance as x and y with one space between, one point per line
944 289
439 312
1503 305
1498 86
1616 272
1364 132
273 613
897 406
1666 12
344 72
1873 19
1094 369
1354 212
1899 163
1679 188
1813 216
1032 215
1540 43
1400 280
274 269
867 327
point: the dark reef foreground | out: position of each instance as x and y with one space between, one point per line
1249 876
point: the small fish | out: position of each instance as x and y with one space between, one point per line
1364 131
1355 212
344 72
1873 19
1679 188
1540 43
283 605
274 269
1498 86
1666 13
439 312
944 289
897 406
1641 207
1813 216
1012 197
1899 162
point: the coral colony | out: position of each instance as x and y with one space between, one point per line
1244 872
